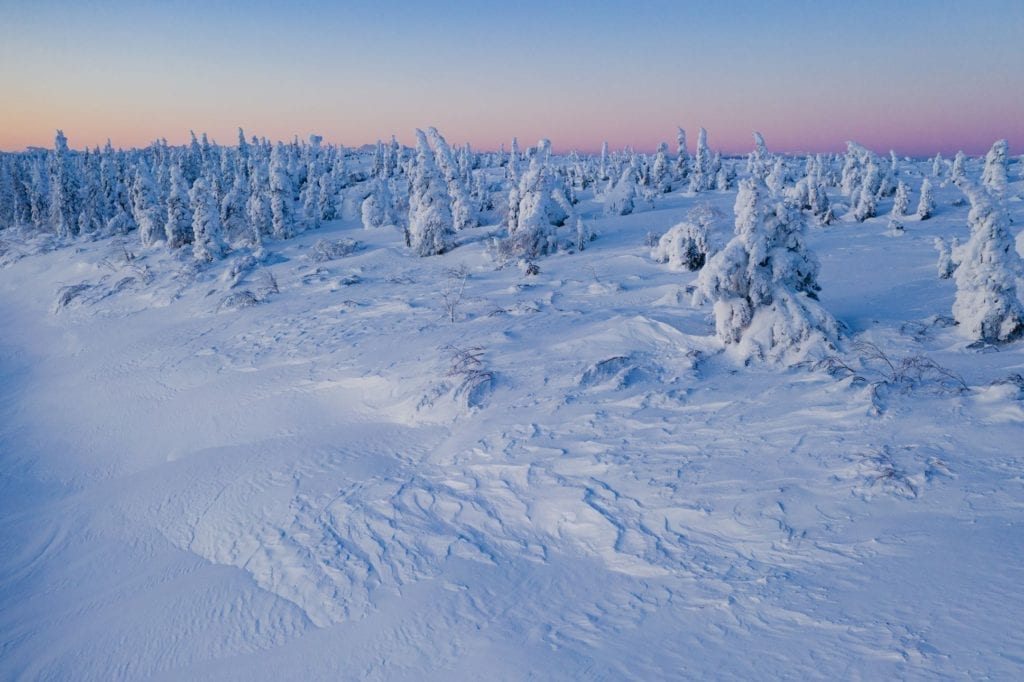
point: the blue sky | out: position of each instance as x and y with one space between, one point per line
920 77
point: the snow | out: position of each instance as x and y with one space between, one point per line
363 474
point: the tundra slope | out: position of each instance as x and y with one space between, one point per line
307 469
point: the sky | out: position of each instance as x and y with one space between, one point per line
917 76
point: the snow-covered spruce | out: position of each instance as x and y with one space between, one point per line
763 284
682 164
282 194
178 225
945 265
660 176
429 231
377 209
536 207
926 204
901 201
987 269
760 162
995 176
462 212
702 175
958 170
207 244
867 200
622 198
683 247
64 187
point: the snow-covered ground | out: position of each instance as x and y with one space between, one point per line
396 467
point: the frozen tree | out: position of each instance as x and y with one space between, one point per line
257 205
7 192
376 208
233 209
282 194
926 204
309 196
178 226
724 179
761 162
959 169
682 167
937 165
512 169
901 202
702 173
764 283
144 207
660 180
430 230
886 176
583 234
461 207
945 265
851 176
207 244
683 247
621 200
987 270
90 198
65 205
192 161
867 201
776 178
994 177
377 168
536 207
603 174
39 197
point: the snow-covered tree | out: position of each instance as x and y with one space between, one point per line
257 205
430 230
761 162
937 165
144 207
764 283
282 194
777 177
959 169
702 175
682 165
207 242
926 204
233 216
995 177
987 271
376 209
867 200
901 201
178 226
463 215
621 200
512 167
683 247
536 207
945 265
309 195
65 205
660 178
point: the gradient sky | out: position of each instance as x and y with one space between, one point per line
918 76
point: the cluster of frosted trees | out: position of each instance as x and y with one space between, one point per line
202 196
208 199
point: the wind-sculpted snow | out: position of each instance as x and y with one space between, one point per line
392 467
